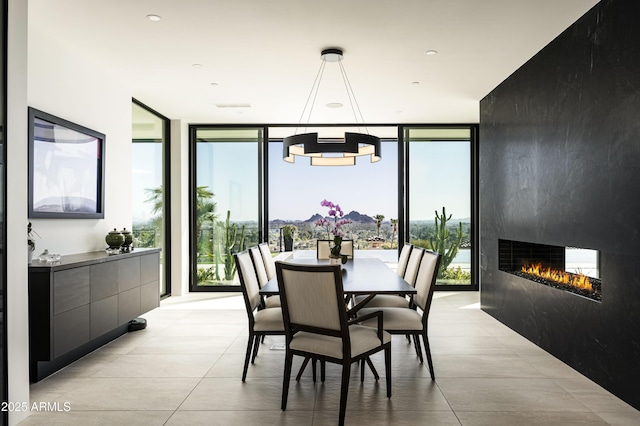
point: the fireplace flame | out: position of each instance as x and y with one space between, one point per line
562 277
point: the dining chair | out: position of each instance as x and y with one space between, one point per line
269 263
347 248
316 325
413 321
263 279
261 322
403 258
398 301
323 249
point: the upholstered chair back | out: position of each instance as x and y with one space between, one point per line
312 295
269 263
323 249
258 264
403 259
426 279
413 264
347 248
248 281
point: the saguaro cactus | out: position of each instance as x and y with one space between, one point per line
232 244
442 244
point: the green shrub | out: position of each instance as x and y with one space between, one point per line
204 274
456 274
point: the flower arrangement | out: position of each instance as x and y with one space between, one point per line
335 227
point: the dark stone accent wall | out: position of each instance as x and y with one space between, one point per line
560 165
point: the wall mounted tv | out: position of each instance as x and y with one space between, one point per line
66 169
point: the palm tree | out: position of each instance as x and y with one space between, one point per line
394 224
205 208
378 218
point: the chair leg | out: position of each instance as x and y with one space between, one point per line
302 367
313 369
247 356
361 362
408 336
344 391
416 345
288 360
322 370
373 369
262 340
427 349
256 346
387 367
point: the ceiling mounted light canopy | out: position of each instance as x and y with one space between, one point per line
331 152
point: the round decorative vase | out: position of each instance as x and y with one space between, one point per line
114 239
128 238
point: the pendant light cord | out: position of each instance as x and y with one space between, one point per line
352 99
314 92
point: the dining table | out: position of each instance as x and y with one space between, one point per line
360 276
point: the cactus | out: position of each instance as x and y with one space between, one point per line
447 249
231 245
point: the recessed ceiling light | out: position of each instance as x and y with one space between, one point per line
431 52
334 105
154 18
197 66
415 83
214 84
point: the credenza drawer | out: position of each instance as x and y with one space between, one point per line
71 288
70 330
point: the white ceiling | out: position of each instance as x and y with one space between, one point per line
266 53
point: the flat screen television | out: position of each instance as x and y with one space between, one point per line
66 169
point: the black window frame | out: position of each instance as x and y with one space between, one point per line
166 185
403 190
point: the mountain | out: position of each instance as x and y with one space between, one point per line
354 216
313 218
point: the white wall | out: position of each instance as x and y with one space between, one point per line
61 82
16 133
179 208
69 85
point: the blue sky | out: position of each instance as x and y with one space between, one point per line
296 190
439 176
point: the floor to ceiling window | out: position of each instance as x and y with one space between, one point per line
150 196
440 187
244 193
367 194
225 202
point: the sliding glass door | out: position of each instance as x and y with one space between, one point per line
150 195
440 198
225 202
243 193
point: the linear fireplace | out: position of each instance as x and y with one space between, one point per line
565 268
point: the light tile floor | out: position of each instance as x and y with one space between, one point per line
185 369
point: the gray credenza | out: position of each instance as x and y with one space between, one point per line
85 301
